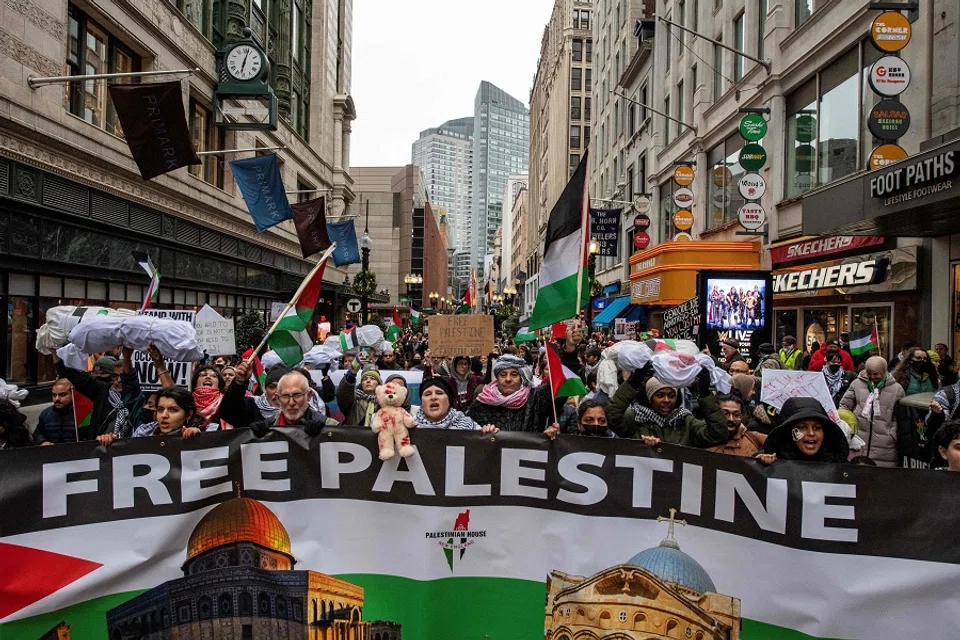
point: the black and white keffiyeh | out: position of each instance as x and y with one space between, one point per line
645 414
453 420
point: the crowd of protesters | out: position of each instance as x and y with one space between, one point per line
509 390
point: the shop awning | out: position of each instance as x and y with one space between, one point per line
613 287
635 313
606 317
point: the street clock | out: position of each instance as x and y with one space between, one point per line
244 98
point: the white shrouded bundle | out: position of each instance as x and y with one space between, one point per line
676 368
369 335
333 342
175 339
55 332
11 393
269 360
320 356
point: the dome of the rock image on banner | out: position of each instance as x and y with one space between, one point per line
239 583
660 592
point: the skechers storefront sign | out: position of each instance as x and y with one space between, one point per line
850 274
914 180
882 271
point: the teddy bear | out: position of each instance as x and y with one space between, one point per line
391 422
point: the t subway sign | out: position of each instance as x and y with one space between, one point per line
916 176
850 274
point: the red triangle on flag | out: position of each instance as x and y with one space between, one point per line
29 575
560 330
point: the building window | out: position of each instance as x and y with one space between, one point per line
616 120
694 18
667 43
586 135
804 9
717 66
196 12
589 49
574 162
666 121
738 36
725 171
588 80
667 210
587 115
92 50
825 135
577 50
575 108
576 78
643 104
693 84
574 136
204 608
681 114
207 136
761 25
631 119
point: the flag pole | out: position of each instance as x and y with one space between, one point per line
293 301
553 396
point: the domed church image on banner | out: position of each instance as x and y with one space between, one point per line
659 593
239 584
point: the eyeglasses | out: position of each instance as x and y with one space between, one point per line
295 397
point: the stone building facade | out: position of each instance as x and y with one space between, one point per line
72 202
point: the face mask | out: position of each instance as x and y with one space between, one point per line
919 365
834 368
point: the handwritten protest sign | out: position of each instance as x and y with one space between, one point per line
682 321
470 335
779 385
215 333
180 371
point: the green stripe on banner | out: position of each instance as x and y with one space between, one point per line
494 607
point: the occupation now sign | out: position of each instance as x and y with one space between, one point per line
752 216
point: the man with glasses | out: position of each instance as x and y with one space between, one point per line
293 395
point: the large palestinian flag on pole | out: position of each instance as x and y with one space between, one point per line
289 337
564 287
227 536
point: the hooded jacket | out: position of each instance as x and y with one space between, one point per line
879 428
686 429
780 441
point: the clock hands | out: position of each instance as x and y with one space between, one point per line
243 65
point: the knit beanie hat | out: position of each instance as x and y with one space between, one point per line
105 364
442 384
371 370
273 376
654 385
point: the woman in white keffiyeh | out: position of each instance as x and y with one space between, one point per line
873 398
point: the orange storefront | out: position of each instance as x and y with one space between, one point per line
666 275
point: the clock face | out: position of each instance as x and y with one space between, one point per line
244 62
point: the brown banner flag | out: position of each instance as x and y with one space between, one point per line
311 221
155 126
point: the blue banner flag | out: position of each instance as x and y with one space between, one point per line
345 235
262 189
605 229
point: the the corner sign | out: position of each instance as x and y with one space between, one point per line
914 180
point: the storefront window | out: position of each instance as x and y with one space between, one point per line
46 371
801 139
820 325
839 124
786 325
667 209
866 317
725 172
19 334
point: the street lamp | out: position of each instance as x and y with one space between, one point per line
434 299
594 249
366 244
412 280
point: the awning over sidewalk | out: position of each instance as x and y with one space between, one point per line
606 317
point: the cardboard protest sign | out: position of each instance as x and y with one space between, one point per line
469 335
779 385
181 372
215 333
682 322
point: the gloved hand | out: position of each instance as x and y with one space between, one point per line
703 383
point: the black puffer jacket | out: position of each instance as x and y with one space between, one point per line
312 424
534 416
780 441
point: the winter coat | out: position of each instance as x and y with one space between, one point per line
780 441
848 378
353 406
55 426
762 421
474 383
771 361
535 416
736 357
791 361
819 360
686 430
238 409
743 443
878 430
103 415
920 383
311 423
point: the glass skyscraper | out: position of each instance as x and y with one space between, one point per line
501 146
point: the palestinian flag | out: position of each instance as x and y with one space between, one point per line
558 331
563 381
259 375
414 316
153 291
564 286
348 340
289 337
862 342
524 335
393 326
82 411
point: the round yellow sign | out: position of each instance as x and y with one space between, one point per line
683 175
683 219
886 154
683 237
891 31
722 176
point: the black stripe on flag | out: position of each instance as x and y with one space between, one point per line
566 217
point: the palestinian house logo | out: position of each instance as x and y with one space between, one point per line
454 543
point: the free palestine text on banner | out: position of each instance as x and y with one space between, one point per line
227 536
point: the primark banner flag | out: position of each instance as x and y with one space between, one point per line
310 219
262 188
227 536
345 235
155 126
605 229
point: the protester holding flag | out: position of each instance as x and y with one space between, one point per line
242 411
806 433
437 411
916 374
873 398
510 403
293 396
56 424
13 427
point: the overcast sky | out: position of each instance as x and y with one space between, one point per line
418 63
